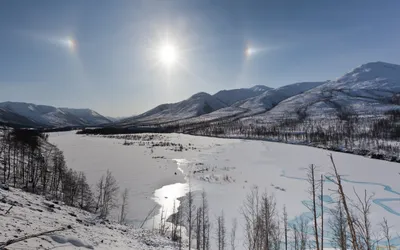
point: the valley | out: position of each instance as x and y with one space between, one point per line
157 169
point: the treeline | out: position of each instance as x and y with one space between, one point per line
130 130
346 224
376 137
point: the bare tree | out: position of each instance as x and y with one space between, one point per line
107 194
198 229
313 208
338 227
206 225
363 224
124 206
322 211
386 233
190 210
285 226
180 219
163 222
268 221
221 232
99 190
343 200
251 214
233 234
299 229
175 223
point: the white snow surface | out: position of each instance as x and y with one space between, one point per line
227 169
31 214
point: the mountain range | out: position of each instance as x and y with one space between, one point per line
370 89
32 115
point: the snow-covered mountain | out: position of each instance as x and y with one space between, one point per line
32 115
231 96
370 89
272 97
198 104
262 102
202 105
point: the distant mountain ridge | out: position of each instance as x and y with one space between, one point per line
370 89
232 96
32 115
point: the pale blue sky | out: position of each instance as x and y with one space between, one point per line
114 69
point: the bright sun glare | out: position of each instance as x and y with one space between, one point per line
168 54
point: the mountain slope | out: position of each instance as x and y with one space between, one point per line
196 105
370 89
272 97
231 96
31 115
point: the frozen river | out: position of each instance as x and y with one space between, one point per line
156 171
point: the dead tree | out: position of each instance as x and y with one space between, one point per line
233 234
124 206
221 232
300 236
198 230
206 225
175 223
251 214
363 223
338 226
313 208
190 210
108 191
269 223
99 190
386 233
285 226
343 200
322 211
13 241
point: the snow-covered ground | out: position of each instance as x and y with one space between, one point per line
227 169
32 214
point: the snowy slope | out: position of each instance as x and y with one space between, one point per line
231 96
29 114
272 97
257 104
198 104
372 88
33 214
87 116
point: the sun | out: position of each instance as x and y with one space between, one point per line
168 54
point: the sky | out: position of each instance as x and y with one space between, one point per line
110 55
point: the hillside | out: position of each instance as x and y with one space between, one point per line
370 89
32 115
31 214
198 104
231 96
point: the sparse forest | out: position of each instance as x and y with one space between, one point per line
28 161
